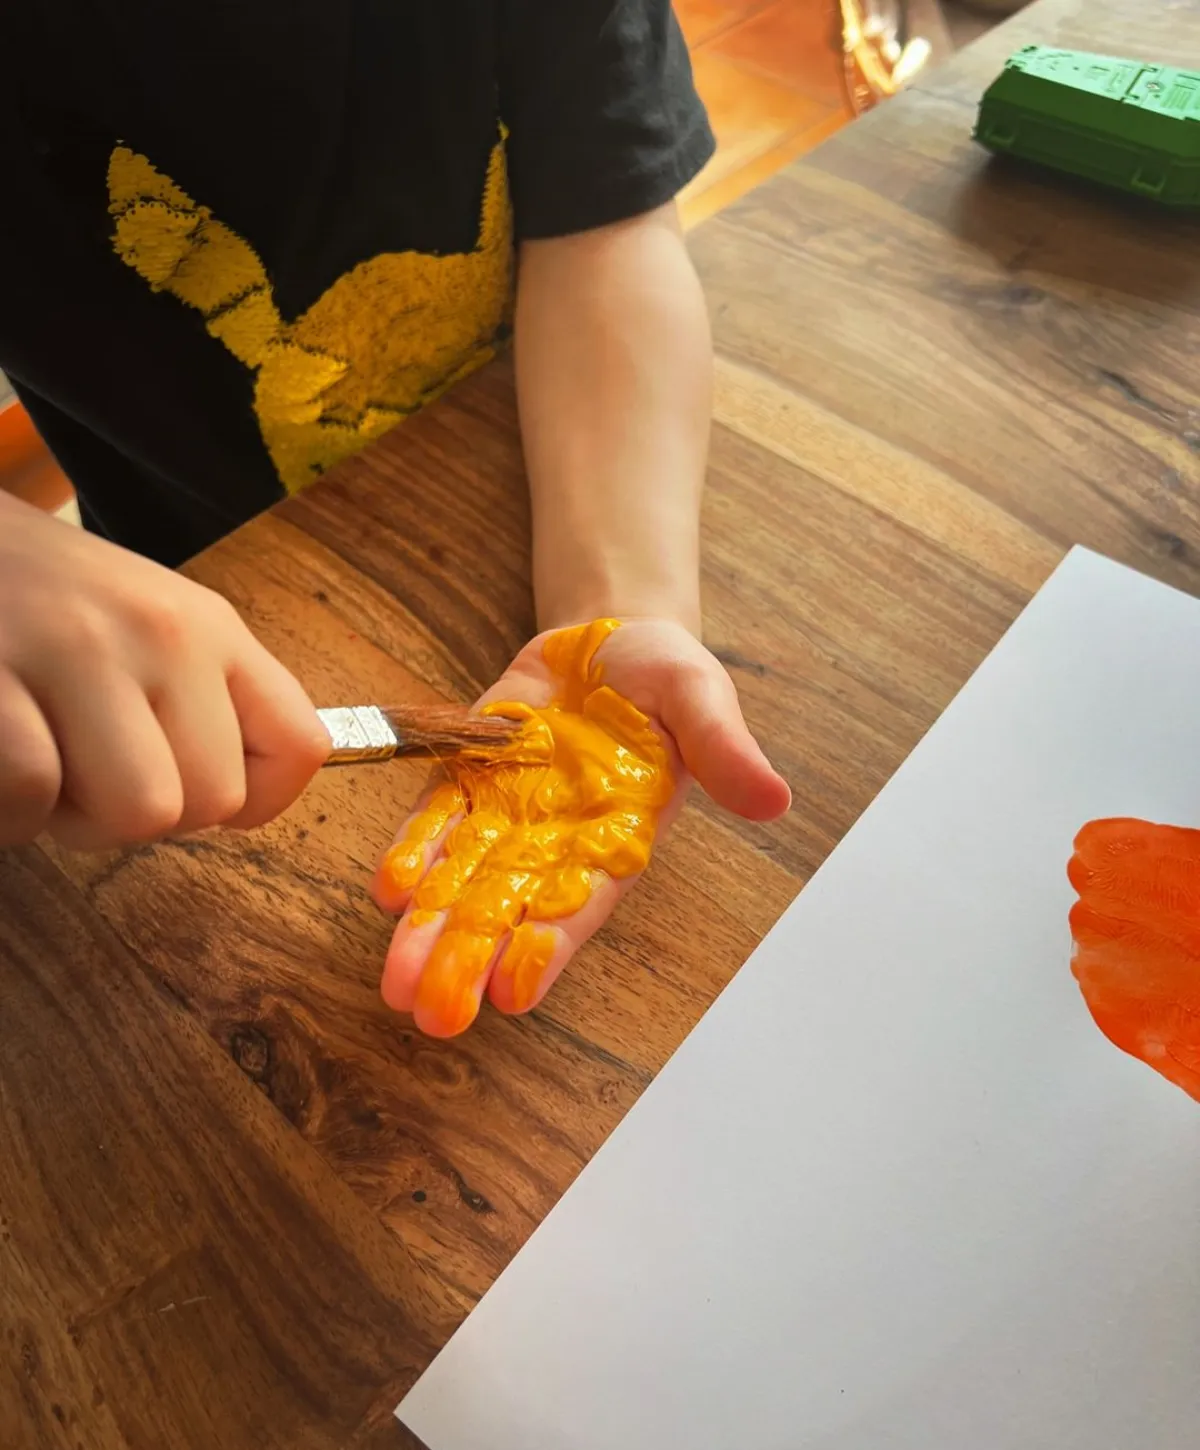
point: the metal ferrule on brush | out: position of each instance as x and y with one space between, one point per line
358 733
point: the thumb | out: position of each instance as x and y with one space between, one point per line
283 739
700 708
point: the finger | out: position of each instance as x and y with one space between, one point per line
201 726
700 709
120 784
283 740
30 768
427 854
480 907
412 941
538 951
417 845
451 984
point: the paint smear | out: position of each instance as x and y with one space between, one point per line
528 843
1136 927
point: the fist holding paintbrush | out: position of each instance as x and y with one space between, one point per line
133 702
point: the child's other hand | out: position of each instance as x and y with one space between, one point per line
691 701
133 702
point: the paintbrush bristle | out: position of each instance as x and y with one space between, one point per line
450 730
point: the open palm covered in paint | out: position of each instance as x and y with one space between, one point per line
1136 927
507 869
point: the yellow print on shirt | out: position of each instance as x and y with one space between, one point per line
382 341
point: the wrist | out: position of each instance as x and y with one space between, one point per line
563 607
637 557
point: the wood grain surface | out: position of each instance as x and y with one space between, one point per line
241 1204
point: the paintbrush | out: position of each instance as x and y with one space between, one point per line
370 733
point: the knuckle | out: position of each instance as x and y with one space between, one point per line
77 627
28 793
223 801
692 672
218 609
150 814
33 781
30 767
159 623
706 677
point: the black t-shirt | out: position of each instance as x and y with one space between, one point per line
243 238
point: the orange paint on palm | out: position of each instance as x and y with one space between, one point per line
532 836
1136 927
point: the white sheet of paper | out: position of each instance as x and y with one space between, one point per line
896 1191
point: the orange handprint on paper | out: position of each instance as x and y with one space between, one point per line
1136 927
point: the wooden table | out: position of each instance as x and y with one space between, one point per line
242 1205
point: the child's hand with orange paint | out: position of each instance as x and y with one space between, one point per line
506 871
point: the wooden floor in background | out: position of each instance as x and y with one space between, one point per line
770 73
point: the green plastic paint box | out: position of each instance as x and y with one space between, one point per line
1122 123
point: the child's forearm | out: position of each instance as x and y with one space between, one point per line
614 376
